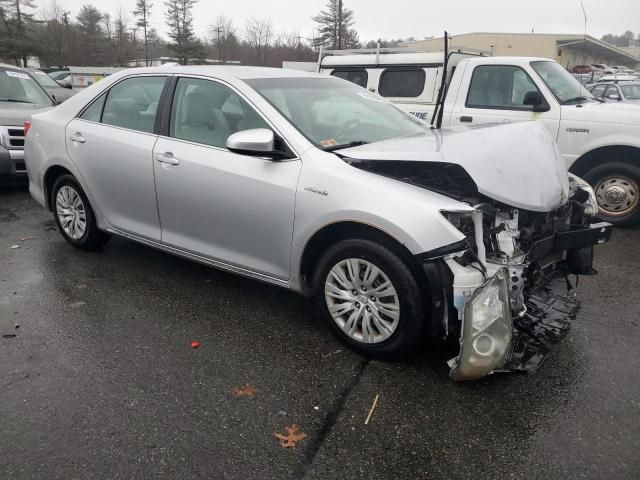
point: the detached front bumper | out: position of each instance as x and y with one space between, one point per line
493 337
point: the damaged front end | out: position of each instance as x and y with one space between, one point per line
511 286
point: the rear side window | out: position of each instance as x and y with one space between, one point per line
402 82
94 112
133 103
358 76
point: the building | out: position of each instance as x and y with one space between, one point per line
568 50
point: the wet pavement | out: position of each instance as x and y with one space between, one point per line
101 381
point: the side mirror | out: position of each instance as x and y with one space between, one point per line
537 101
613 96
259 142
58 98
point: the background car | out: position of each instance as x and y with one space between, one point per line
628 92
59 93
63 77
20 96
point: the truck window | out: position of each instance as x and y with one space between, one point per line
358 76
401 82
500 87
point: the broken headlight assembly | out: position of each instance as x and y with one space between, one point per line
487 329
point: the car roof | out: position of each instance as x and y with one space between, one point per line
11 67
236 71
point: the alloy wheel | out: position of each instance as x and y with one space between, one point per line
71 212
362 300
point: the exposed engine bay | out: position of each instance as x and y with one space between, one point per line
512 295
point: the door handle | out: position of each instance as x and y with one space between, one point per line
168 158
466 119
77 138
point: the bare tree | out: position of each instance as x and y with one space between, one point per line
259 34
223 37
142 12
121 36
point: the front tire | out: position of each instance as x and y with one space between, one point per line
74 216
370 298
616 185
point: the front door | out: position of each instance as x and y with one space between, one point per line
234 209
112 142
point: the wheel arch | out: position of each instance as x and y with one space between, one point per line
598 156
342 230
51 175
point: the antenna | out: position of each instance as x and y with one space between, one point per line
584 44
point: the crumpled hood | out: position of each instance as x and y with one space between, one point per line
14 114
620 113
517 164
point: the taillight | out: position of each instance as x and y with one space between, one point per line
27 126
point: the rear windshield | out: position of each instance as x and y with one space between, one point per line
19 87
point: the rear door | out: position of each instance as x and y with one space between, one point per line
496 93
231 208
111 143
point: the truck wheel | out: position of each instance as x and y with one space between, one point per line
616 186
74 216
370 298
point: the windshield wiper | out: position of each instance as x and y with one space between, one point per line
355 143
13 100
576 99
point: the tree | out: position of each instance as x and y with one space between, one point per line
142 12
335 24
223 37
259 34
89 24
55 36
624 40
179 16
121 38
16 41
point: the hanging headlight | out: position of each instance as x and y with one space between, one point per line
486 330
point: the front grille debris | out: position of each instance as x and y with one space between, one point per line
551 308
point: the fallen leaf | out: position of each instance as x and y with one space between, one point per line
24 239
291 438
13 247
195 344
246 391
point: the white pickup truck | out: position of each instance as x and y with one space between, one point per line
599 141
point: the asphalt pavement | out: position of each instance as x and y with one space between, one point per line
101 379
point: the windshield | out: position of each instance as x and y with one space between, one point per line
44 79
561 83
19 87
333 113
631 92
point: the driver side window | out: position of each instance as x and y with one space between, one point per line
501 87
208 112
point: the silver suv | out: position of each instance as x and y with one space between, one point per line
20 96
317 185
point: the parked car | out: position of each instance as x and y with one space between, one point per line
627 92
582 69
63 78
617 78
312 183
20 96
599 141
59 93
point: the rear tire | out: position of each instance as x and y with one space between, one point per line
74 216
616 186
370 298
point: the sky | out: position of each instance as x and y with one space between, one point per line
406 18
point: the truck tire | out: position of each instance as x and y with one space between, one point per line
616 185
74 216
370 298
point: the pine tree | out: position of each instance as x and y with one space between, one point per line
142 12
335 24
16 40
179 18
